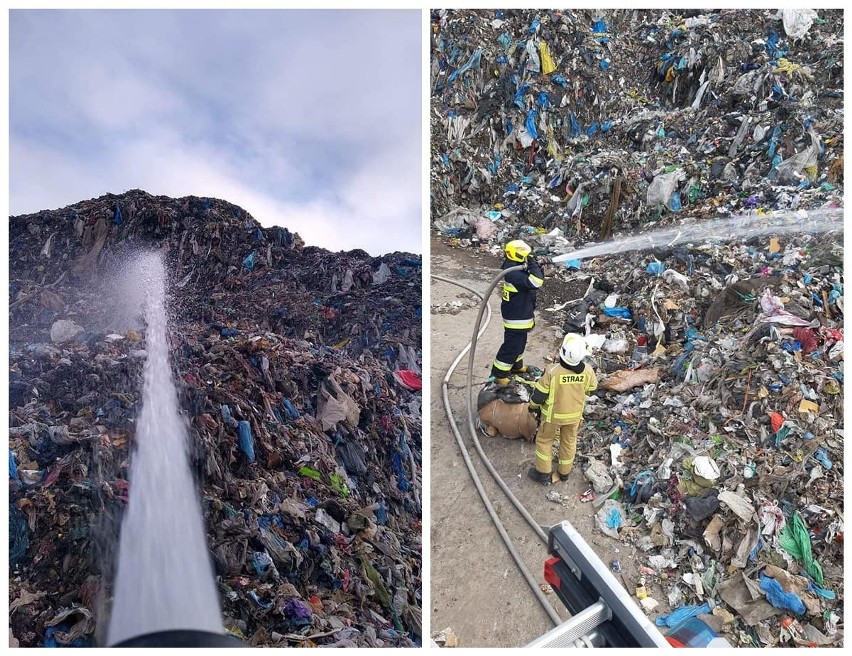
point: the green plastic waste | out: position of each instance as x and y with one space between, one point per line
338 485
378 584
794 539
310 473
694 193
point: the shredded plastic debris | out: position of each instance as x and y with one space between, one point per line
299 374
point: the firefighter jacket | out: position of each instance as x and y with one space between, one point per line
519 295
561 393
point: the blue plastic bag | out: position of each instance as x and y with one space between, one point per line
575 126
773 141
621 312
675 202
246 440
519 96
248 263
530 125
381 514
681 615
822 592
776 596
655 268
290 409
227 417
399 470
473 62
613 520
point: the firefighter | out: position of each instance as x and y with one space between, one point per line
560 394
518 310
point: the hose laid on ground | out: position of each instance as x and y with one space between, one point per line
471 347
471 421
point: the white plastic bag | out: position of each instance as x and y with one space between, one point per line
804 163
797 22
662 188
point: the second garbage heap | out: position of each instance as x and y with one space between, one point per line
714 445
298 370
589 122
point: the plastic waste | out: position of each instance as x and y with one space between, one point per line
680 615
778 598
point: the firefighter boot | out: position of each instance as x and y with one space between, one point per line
539 477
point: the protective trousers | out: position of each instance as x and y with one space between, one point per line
511 353
548 432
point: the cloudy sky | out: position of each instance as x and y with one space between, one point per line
307 119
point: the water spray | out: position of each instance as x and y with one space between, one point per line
742 226
165 593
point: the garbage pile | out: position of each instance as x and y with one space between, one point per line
579 124
299 374
714 445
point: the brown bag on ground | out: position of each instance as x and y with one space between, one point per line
511 420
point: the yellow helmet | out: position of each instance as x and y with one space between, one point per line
518 250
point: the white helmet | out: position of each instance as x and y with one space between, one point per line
573 349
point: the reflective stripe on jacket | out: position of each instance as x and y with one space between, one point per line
561 393
519 295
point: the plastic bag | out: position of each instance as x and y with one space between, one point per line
248 262
334 405
609 518
797 22
662 189
547 63
473 62
791 170
778 598
246 440
533 61
795 540
681 615
381 276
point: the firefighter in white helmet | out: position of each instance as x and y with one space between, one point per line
560 393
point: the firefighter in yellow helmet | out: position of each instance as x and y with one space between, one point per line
561 394
518 309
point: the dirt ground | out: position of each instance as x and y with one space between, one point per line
476 588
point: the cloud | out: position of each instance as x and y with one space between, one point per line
309 119
362 218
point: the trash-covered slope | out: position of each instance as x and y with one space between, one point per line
715 444
592 122
298 371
